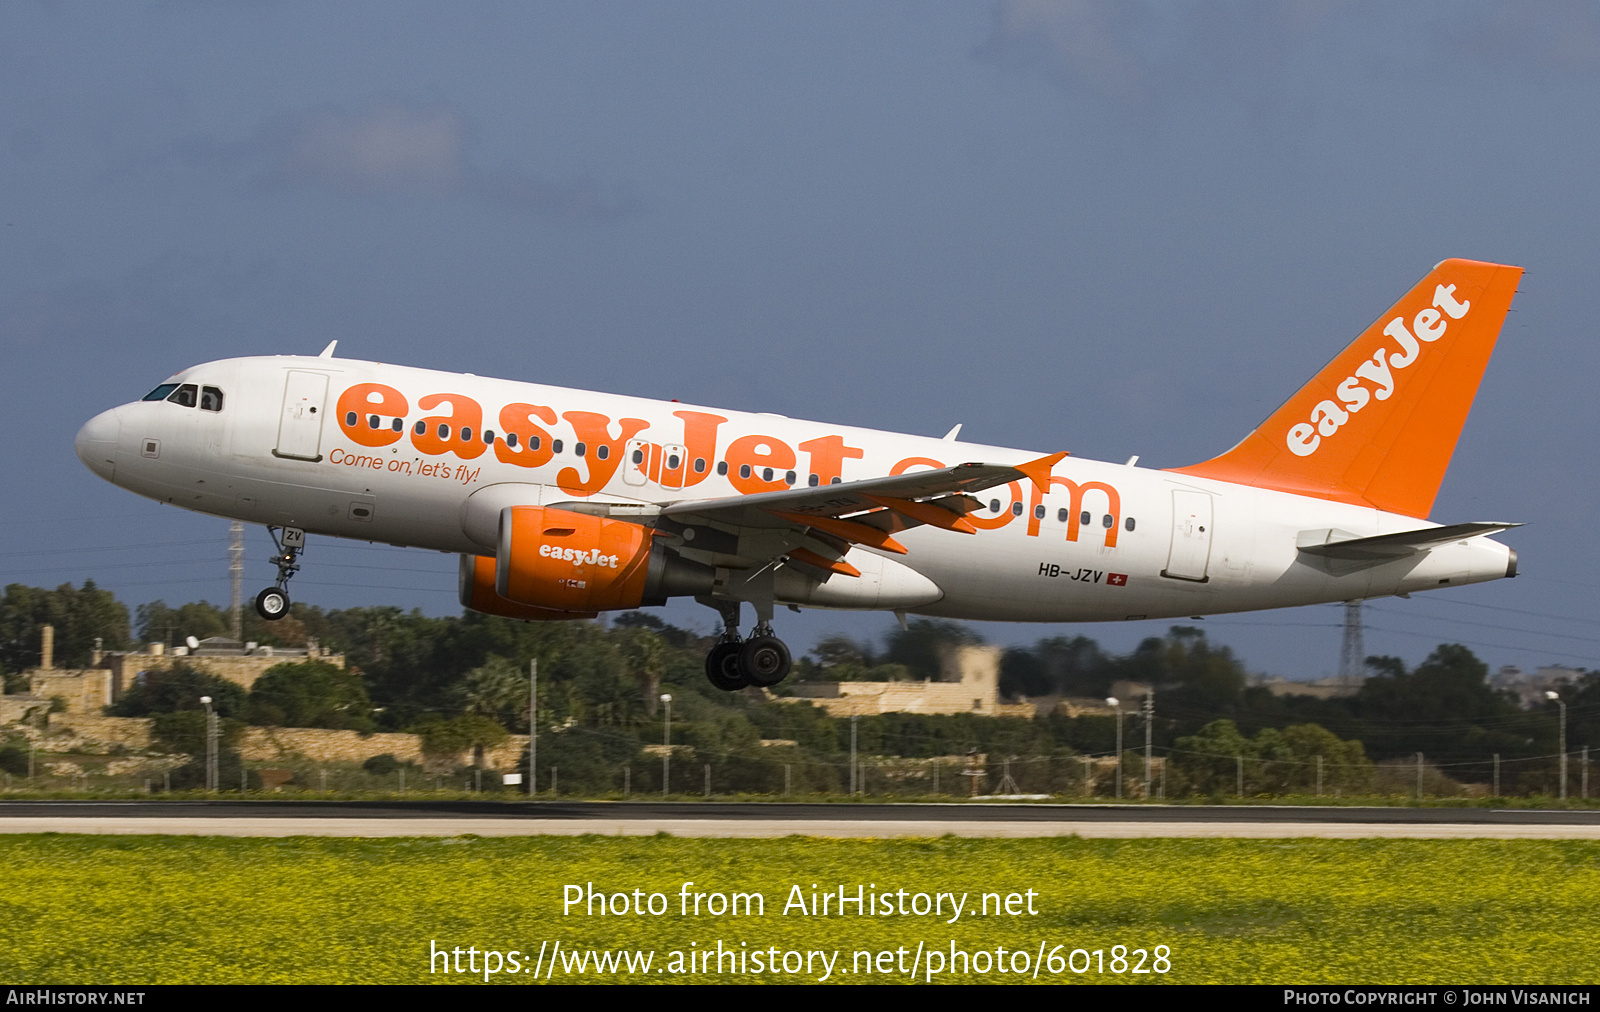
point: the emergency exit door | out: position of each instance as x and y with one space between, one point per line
300 424
1191 536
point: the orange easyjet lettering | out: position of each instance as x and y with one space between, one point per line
533 442
759 463
460 432
1075 506
368 413
598 448
828 454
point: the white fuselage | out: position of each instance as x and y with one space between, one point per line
1107 542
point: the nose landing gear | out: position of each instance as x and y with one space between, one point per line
273 603
734 663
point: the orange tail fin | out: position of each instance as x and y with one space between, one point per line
1376 427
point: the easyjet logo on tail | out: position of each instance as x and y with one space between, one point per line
1426 327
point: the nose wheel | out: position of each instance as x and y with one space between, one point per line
735 663
273 603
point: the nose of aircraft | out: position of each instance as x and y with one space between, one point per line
97 443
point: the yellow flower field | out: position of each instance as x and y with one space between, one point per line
141 910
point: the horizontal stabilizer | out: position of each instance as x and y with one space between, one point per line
1336 544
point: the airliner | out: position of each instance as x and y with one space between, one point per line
566 503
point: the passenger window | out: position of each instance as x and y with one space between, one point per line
398 425
555 446
1016 509
511 439
1128 523
372 421
744 470
210 399
638 456
835 481
466 433
766 474
602 451
579 449
160 393
1061 516
488 435
722 467
422 427
672 462
444 432
1084 517
789 478
1038 512
812 481
994 505
699 465
185 395
350 419
1108 521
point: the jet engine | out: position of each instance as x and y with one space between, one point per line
577 564
478 593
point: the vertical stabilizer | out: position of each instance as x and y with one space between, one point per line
1376 427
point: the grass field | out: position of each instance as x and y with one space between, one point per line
131 910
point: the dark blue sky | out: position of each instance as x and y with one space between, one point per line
1114 228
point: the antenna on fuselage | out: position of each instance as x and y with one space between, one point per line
328 351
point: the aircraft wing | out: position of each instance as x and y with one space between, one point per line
874 507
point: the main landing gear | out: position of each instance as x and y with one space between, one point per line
734 663
273 603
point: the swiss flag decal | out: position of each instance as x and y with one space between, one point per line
1116 579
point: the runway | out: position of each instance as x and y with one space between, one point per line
752 820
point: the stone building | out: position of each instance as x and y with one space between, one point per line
87 691
969 683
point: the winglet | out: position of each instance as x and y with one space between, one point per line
1038 471
328 351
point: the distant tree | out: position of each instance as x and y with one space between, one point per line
80 615
673 636
496 689
310 694
1446 709
1275 762
443 738
171 626
1074 666
842 659
644 651
178 689
184 732
14 754
383 765
1208 759
920 646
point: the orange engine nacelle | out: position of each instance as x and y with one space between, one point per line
571 561
478 593
580 564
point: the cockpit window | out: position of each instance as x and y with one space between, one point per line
160 393
185 395
210 399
